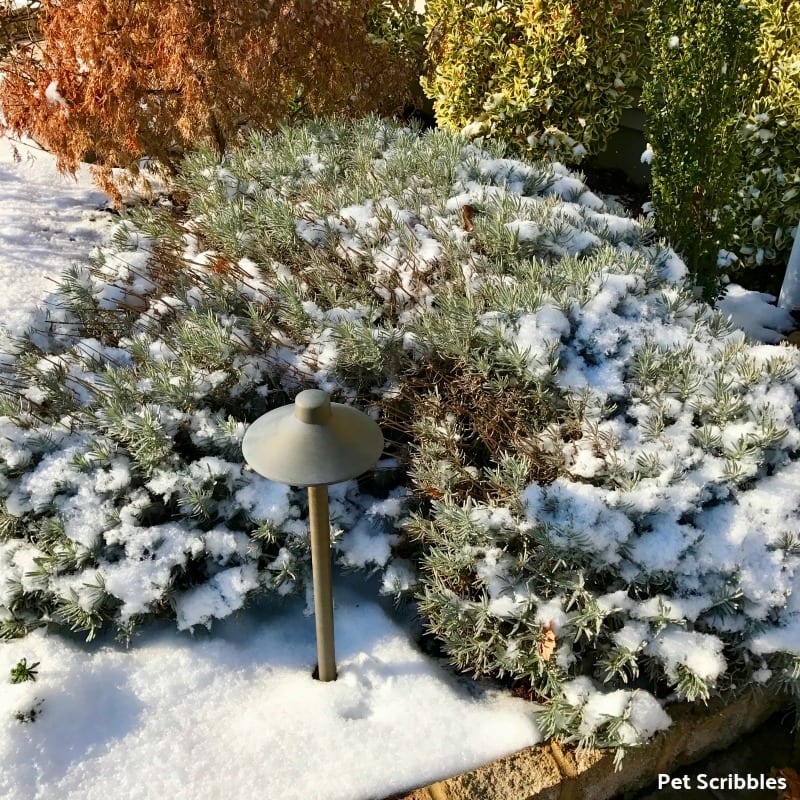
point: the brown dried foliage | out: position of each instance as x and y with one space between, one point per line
155 78
490 424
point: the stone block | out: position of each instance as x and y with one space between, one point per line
552 772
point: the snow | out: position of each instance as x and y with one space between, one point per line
755 313
264 500
701 653
362 546
46 222
217 598
52 95
785 638
645 717
237 714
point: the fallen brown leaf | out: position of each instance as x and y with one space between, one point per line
548 643
468 212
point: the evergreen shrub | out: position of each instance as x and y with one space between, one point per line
766 205
703 77
723 119
551 76
598 501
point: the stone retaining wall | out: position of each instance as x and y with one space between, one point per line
550 772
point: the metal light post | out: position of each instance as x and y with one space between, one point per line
313 443
789 297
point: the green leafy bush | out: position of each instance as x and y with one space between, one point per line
703 77
550 76
599 500
401 27
723 111
766 206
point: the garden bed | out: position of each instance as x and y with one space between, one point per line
455 293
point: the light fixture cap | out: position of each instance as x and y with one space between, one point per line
312 442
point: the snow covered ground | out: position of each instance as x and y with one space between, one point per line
234 713
46 221
754 313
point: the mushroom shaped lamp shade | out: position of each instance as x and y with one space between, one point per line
313 442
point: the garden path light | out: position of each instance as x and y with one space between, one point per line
313 443
789 297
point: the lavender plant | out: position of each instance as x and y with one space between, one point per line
592 491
